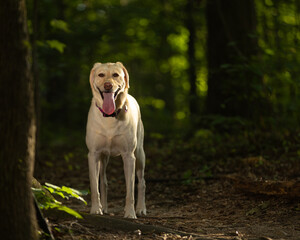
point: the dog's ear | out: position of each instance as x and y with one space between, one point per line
126 74
92 75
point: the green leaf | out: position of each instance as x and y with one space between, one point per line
61 194
52 186
55 44
37 190
69 211
60 24
269 52
46 202
74 193
51 190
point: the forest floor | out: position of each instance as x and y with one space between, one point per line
199 189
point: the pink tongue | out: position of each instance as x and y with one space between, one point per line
109 105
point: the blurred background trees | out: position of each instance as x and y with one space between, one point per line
192 64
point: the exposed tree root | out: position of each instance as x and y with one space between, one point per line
112 223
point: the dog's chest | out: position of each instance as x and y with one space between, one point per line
111 145
110 136
113 142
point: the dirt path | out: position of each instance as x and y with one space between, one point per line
203 208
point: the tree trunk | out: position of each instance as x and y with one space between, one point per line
17 125
234 89
190 25
35 73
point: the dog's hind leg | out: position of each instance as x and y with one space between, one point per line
94 168
140 168
103 181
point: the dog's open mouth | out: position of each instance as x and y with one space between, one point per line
109 105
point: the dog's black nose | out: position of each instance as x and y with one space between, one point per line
107 86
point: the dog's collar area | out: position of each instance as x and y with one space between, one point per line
115 114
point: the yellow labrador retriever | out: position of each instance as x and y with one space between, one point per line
114 127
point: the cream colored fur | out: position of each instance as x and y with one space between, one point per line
112 136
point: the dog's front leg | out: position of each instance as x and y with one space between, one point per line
94 168
103 181
129 170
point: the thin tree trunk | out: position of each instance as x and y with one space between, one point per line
17 125
36 76
190 24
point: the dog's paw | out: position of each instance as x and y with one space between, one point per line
141 211
96 210
130 213
141 208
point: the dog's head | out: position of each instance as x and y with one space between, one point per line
109 83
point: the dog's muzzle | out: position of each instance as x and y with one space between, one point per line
115 94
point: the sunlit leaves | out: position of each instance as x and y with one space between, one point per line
154 102
45 198
65 192
179 41
60 24
57 45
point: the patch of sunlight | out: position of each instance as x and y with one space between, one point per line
141 35
179 41
175 73
178 62
269 2
289 20
92 16
261 43
156 135
202 82
269 51
154 102
124 2
60 24
180 115
130 32
158 103
287 76
144 22
203 133
59 46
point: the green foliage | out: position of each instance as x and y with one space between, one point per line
46 199
60 24
152 41
278 30
59 46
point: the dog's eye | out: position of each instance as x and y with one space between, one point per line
115 75
101 75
